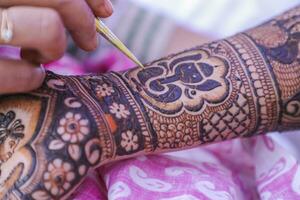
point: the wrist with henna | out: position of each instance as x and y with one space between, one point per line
237 87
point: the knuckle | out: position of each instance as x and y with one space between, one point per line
50 22
83 20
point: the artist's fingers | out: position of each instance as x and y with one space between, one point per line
101 8
76 15
80 21
40 29
19 76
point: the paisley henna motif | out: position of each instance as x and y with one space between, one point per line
237 87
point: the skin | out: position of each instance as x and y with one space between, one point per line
42 36
241 86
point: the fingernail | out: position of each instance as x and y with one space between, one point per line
43 73
108 6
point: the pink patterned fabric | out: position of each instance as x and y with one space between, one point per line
256 168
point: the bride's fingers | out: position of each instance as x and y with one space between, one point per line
40 29
19 76
101 8
76 15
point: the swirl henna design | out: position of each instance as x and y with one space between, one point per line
237 87
185 82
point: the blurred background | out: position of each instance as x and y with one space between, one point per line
153 29
220 18
166 26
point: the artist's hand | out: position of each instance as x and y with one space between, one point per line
39 29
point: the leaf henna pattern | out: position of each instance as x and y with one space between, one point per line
241 86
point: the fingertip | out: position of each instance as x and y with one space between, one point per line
102 8
90 44
19 76
38 77
42 74
109 8
95 42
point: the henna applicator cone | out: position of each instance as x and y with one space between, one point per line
108 34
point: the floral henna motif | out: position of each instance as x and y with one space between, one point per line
104 90
58 177
241 86
73 128
119 110
129 141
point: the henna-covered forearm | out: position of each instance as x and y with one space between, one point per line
240 86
